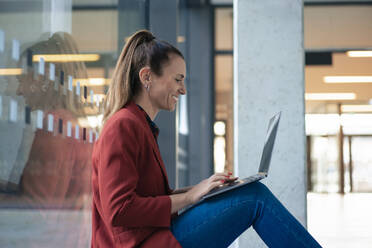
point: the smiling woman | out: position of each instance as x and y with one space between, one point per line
130 184
146 70
133 205
162 92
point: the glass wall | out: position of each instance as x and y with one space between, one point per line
56 58
56 61
337 42
223 73
325 157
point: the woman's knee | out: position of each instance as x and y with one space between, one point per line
256 191
261 190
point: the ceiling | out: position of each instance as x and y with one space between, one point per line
337 29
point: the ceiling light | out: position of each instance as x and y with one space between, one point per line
10 71
359 53
219 128
356 108
329 96
92 81
181 39
66 57
347 79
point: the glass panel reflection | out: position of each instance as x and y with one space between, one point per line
49 120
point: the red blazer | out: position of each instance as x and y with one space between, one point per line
131 203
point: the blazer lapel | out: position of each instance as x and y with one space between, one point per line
156 151
135 110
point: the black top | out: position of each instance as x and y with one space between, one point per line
154 128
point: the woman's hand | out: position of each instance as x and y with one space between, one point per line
180 191
201 189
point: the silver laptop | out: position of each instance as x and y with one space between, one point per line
262 171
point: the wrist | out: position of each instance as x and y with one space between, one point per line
188 198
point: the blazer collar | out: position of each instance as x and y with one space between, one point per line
133 108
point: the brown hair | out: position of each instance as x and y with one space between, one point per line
142 49
50 99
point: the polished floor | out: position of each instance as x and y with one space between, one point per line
338 221
335 221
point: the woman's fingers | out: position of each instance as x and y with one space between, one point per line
215 185
214 181
218 179
215 177
222 176
231 179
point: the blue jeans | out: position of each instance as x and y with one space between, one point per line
217 222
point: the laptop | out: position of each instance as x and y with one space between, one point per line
263 168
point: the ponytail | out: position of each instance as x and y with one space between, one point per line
122 89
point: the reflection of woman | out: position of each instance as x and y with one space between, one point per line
56 172
132 202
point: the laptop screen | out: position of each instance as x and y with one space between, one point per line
269 143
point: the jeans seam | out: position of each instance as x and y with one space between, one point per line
286 226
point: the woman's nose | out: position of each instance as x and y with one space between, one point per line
182 90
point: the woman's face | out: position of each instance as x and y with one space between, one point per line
38 93
166 89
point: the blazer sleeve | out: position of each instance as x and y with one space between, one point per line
118 177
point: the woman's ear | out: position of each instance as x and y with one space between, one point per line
145 76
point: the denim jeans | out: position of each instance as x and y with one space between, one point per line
218 221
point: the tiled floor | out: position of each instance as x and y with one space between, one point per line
338 221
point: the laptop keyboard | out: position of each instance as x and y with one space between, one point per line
248 179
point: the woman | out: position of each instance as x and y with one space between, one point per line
66 174
133 205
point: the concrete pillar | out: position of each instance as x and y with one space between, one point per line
269 77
